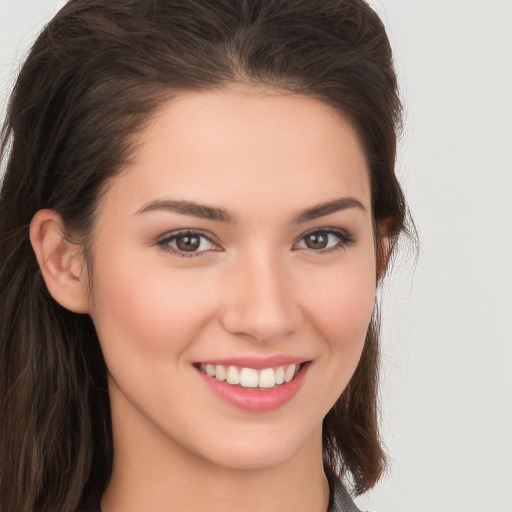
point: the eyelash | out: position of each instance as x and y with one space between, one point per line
345 239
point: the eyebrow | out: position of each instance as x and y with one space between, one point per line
189 208
323 209
219 214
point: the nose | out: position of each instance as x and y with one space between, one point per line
259 301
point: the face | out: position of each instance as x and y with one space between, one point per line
233 276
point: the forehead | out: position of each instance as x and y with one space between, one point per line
248 147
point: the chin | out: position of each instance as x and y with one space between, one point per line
259 452
256 458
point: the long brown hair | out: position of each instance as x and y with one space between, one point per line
93 78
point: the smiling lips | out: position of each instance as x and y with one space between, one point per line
265 378
254 385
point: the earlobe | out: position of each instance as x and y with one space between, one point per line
60 261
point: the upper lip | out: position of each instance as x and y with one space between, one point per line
257 363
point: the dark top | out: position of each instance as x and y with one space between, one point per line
340 500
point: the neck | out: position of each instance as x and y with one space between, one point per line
162 476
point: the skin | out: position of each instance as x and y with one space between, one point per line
256 289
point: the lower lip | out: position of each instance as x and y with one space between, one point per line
255 400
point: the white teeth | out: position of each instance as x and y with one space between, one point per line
267 378
289 373
233 375
220 372
249 377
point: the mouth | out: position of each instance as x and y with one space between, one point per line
252 378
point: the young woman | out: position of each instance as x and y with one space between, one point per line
198 205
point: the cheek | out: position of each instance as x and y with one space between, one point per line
344 327
148 313
343 306
338 309
341 310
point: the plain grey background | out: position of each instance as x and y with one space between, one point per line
447 342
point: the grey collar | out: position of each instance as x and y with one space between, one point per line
341 500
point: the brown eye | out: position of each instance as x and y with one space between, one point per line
317 240
188 243
325 240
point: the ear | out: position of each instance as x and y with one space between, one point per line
384 247
60 261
